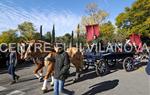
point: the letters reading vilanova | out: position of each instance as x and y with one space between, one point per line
46 47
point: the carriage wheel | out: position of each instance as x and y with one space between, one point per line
102 68
128 64
85 66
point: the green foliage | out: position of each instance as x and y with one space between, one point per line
135 19
67 38
107 31
9 36
36 36
48 37
27 30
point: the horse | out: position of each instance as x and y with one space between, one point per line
76 58
39 59
36 56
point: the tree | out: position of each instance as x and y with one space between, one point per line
53 34
72 38
67 38
36 36
9 36
59 39
95 15
41 32
107 31
27 30
135 19
48 37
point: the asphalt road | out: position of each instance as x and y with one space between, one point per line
118 82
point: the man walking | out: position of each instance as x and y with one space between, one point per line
61 70
12 66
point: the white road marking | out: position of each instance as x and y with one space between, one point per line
16 92
2 88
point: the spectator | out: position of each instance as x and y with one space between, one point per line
148 66
94 44
12 66
61 69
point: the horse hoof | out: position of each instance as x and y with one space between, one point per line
44 90
52 85
74 81
41 79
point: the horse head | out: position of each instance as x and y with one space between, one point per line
36 48
29 50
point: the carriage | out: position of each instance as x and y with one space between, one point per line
103 61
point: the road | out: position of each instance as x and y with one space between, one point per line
118 82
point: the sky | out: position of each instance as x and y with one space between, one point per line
64 14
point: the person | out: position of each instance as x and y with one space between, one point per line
95 40
94 44
12 66
7 53
147 69
61 70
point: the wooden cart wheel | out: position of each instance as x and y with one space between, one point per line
128 64
101 68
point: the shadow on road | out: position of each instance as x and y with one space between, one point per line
101 87
25 80
85 75
88 74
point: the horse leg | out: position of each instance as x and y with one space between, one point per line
48 73
38 67
41 72
77 73
52 80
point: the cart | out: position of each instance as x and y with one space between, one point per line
103 61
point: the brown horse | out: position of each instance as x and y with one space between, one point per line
37 56
76 59
40 60
49 71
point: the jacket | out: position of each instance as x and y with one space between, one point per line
13 58
62 65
